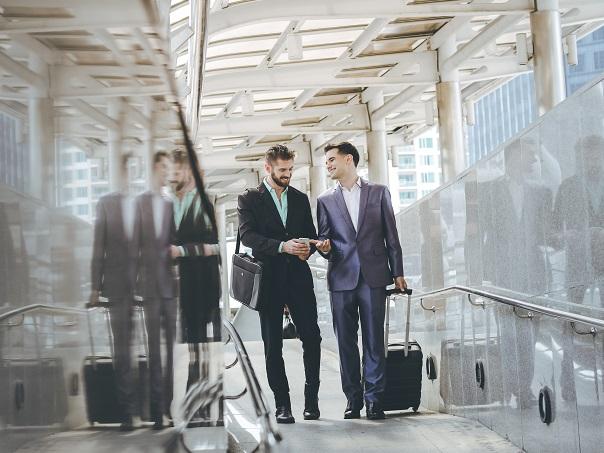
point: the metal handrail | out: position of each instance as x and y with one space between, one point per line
205 394
269 434
43 307
513 302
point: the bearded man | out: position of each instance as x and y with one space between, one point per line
275 221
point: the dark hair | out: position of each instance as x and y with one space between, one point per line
159 155
278 152
124 160
345 148
179 157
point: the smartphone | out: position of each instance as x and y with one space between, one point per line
305 241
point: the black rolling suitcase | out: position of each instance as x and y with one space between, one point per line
404 361
102 401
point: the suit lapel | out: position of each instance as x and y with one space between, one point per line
270 204
362 204
119 217
167 217
339 196
148 214
289 210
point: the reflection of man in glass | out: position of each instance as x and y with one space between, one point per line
578 227
518 211
579 220
113 276
197 252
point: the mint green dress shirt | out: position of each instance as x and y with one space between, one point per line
281 205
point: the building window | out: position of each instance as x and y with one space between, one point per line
428 160
82 192
67 176
425 192
67 193
599 59
406 161
598 35
406 180
428 177
407 196
81 174
82 209
80 157
99 191
426 143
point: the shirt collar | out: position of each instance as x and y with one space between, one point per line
270 188
357 183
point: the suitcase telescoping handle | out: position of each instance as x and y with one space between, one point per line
389 294
105 306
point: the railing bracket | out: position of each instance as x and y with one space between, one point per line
592 330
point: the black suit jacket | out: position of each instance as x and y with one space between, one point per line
262 230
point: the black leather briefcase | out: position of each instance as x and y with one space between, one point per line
246 278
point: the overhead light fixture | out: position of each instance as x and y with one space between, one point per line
429 111
207 145
522 49
572 56
470 113
247 104
294 47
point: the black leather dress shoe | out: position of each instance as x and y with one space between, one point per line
311 409
353 409
375 411
283 414
127 424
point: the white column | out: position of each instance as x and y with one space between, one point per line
548 58
116 136
377 152
41 141
149 142
222 230
450 124
317 171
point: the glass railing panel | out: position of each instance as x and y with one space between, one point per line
527 220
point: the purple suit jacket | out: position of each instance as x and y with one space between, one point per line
374 251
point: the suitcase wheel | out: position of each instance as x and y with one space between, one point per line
415 409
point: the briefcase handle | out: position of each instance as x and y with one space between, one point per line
391 292
238 242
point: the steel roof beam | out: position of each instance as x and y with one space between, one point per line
273 10
327 74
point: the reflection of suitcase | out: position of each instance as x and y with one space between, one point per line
102 402
404 361
35 393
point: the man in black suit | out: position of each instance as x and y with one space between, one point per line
272 219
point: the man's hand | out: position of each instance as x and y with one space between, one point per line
293 247
94 299
400 283
305 256
174 251
322 246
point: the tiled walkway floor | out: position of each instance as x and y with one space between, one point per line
400 432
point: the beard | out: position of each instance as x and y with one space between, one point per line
180 184
281 182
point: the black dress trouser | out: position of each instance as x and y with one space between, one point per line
303 310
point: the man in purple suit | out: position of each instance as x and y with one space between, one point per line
357 234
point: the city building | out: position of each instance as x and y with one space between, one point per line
504 112
419 170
